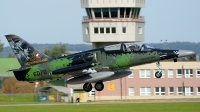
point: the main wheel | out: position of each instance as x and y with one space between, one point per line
87 87
99 86
158 74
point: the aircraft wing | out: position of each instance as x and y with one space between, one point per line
75 68
20 69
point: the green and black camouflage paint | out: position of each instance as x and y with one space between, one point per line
43 67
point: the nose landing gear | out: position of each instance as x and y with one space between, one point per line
158 74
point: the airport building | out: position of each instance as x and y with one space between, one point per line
179 80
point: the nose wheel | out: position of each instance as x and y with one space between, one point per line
87 87
158 74
99 86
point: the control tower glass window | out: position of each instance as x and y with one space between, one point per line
113 12
97 12
122 12
128 10
137 13
133 13
88 10
105 12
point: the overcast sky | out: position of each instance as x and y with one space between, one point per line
54 21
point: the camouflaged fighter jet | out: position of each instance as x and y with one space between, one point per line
92 66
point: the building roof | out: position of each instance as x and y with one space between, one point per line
58 88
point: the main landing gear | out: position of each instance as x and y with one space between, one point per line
87 87
158 74
99 86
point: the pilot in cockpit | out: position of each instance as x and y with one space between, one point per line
134 47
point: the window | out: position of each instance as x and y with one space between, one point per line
179 73
198 73
144 73
96 30
128 10
102 30
92 92
114 12
180 91
88 11
113 30
170 73
123 29
145 91
163 73
122 10
131 91
131 75
171 91
133 12
139 30
107 30
105 12
189 91
198 90
188 73
87 30
97 12
159 91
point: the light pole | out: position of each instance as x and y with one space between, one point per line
36 85
164 41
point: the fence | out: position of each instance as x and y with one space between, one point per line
30 98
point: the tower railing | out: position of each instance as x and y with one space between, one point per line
139 19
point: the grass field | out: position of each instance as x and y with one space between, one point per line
134 107
17 99
8 64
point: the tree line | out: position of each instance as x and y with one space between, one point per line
7 52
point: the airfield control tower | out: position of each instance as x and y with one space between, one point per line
112 21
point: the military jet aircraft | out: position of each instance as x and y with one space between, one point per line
92 66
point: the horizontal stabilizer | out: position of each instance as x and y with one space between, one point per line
18 70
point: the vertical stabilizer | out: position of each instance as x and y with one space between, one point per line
26 54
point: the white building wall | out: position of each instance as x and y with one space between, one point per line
131 35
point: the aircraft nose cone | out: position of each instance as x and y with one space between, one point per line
184 53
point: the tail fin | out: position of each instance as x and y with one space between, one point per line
26 54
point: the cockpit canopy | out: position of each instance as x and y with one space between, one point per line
128 47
